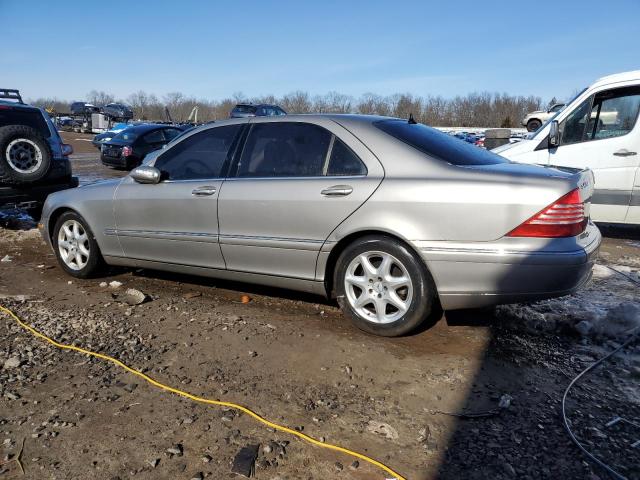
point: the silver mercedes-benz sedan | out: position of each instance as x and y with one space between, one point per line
390 217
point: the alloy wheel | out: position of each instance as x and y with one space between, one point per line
73 245
24 155
378 287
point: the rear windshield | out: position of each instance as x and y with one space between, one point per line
439 145
126 136
245 109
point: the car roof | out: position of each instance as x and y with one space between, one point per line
618 77
147 127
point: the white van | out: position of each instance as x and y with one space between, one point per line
598 129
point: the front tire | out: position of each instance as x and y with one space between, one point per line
75 246
383 286
533 125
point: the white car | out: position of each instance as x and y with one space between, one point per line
534 120
599 130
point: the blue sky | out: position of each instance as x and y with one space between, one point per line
212 49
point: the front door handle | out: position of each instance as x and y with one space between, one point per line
624 153
337 191
203 191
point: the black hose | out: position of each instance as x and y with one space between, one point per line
592 457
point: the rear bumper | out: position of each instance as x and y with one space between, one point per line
114 161
511 270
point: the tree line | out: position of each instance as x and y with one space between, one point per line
473 110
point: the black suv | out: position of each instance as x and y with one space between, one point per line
34 161
243 110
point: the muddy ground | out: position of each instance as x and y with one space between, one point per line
295 360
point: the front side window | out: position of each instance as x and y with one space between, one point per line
284 149
556 108
604 115
200 156
171 133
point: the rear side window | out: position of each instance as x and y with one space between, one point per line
154 137
439 145
284 149
200 156
343 161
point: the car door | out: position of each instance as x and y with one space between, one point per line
633 214
602 134
176 220
293 184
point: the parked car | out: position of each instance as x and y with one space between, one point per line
103 137
81 108
390 217
534 120
128 148
467 137
117 110
599 130
243 110
33 159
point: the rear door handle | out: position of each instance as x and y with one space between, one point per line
624 153
203 191
337 191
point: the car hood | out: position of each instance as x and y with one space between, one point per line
510 150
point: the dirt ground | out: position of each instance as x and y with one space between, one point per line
295 360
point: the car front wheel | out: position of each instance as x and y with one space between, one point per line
75 246
533 125
383 286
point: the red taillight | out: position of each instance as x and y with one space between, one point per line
126 151
564 218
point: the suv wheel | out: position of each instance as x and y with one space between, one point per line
75 246
383 287
533 125
25 155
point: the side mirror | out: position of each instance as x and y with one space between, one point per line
146 174
554 134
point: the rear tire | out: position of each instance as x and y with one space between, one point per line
25 156
383 286
75 246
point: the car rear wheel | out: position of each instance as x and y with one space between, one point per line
75 246
533 125
383 286
24 155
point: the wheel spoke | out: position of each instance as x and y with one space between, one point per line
362 301
83 250
367 266
64 244
360 282
76 230
83 238
394 283
381 307
397 302
78 257
384 269
67 232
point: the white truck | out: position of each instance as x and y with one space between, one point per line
599 130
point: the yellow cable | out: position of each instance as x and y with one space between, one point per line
208 401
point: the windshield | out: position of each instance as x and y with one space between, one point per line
553 117
438 144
